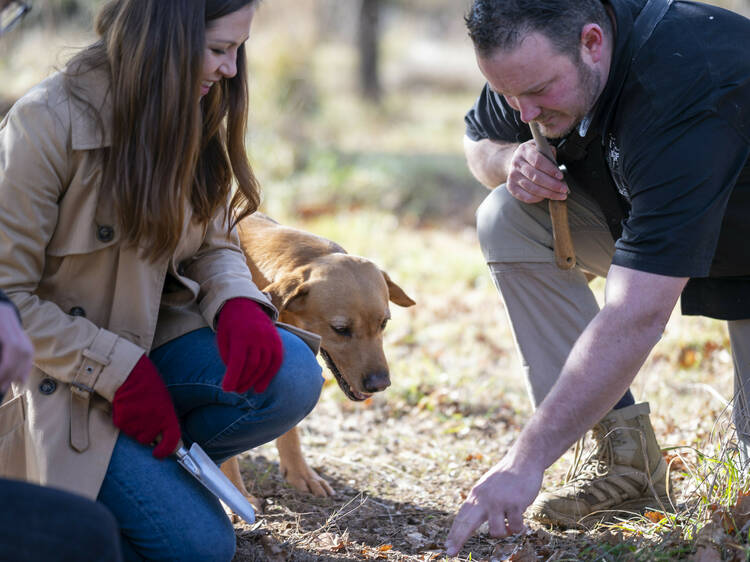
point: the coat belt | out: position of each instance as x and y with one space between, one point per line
95 358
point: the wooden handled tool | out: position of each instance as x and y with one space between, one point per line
565 255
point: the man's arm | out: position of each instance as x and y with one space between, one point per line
488 160
599 369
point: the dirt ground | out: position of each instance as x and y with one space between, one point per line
395 494
402 462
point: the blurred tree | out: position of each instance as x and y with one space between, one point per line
368 40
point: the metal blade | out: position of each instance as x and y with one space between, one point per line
200 465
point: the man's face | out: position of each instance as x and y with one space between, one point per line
545 86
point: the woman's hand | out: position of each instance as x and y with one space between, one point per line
142 408
533 177
249 345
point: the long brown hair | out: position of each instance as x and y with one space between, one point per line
170 148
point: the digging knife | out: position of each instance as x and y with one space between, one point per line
565 255
200 465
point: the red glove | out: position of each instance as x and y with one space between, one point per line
142 408
249 345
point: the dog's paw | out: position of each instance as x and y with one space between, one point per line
307 480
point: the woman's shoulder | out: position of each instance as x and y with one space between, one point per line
77 102
42 109
49 93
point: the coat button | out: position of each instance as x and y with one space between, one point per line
47 386
77 311
105 233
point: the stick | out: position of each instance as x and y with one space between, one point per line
565 255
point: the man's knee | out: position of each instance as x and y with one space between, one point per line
509 228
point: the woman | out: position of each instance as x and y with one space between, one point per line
117 245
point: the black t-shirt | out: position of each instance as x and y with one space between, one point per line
673 129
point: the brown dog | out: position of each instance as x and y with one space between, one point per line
318 287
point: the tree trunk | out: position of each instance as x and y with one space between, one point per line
368 38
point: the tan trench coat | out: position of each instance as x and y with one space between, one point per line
90 306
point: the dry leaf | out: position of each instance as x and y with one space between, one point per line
654 516
385 548
331 541
688 357
474 457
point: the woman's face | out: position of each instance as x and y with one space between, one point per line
224 36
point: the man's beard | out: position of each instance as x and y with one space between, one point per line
590 84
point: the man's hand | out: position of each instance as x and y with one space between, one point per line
533 177
500 497
16 350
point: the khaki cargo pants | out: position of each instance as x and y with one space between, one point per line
549 307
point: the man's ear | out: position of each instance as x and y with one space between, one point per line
592 43
395 293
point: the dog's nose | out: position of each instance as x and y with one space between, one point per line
375 382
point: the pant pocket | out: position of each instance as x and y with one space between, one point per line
12 439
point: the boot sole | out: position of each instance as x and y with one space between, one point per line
554 519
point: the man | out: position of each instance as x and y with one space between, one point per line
648 105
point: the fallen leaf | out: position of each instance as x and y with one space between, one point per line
687 358
331 541
654 516
385 548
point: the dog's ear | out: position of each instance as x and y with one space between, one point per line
395 293
287 293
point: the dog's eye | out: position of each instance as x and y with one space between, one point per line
384 324
342 331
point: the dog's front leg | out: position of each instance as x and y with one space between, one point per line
295 469
231 469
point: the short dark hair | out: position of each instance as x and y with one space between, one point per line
502 24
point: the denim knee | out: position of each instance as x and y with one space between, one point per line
300 376
211 537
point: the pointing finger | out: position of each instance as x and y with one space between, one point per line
468 519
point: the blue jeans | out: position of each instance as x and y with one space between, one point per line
163 513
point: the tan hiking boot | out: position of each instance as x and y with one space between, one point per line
626 473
